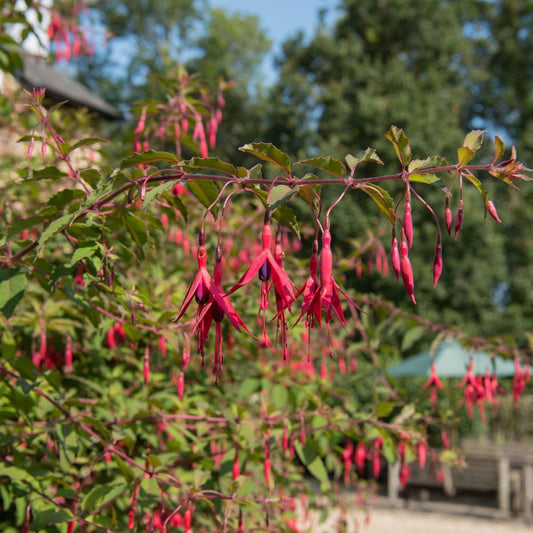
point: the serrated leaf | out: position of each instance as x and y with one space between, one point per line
154 192
312 461
424 178
84 251
432 161
102 494
47 173
90 176
474 140
87 142
464 155
369 156
312 199
382 199
400 143
55 227
64 197
205 191
328 164
286 217
148 158
209 163
268 152
279 195
13 283
136 228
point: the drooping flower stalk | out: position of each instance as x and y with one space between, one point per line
433 383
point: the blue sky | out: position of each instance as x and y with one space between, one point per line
280 18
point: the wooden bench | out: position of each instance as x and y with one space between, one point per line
506 470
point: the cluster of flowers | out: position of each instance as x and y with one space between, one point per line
68 39
480 389
320 293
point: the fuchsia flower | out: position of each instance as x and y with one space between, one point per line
323 296
473 390
270 271
213 304
434 383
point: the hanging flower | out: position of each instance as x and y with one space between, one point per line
213 304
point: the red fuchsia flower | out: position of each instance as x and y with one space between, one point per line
213 304
433 383
280 304
519 381
406 270
422 449
473 390
376 457
236 471
347 455
360 457
445 439
271 273
405 474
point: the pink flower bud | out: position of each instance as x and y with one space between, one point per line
437 264
492 211
408 223
406 270
395 257
448 216
458 219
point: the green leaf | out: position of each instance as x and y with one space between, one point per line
65 197
268 152
413 335
84 251
401 145
91 176
22 224
55 227
312 199
432 161
384 409
13 283
205 191
499 148
149 158
312 462
48 515
47 173
102 494
382 199
369 156
154 192
88 141
464 155
136 228
424 178
286 217
279 195
474 140
328 164
209 163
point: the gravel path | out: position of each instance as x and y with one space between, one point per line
391 520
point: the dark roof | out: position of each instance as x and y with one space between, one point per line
59 87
